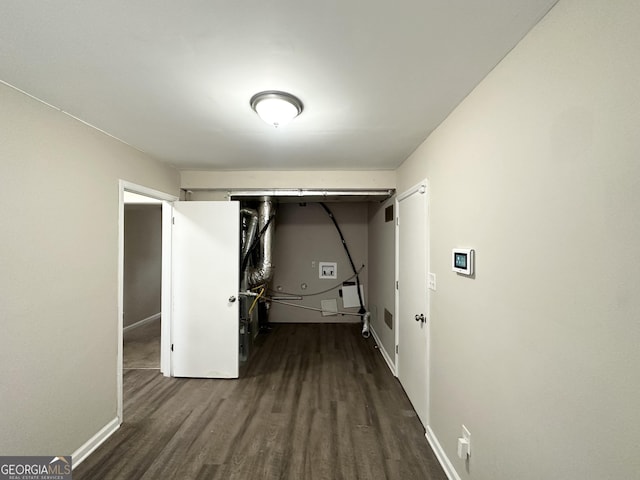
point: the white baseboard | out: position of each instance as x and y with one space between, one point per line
142 322
384 353
446 464
94 442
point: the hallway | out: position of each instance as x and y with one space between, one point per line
142 347
315 401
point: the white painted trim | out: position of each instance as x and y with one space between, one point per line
384 353
446 464
120 346
166 308
142 322
396 296
94 442
146 191
420 187
166 287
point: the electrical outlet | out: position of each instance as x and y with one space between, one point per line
431 281
313 264
328 270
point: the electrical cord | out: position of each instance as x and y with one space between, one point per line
344 244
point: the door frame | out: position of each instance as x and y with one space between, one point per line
423 189
165 308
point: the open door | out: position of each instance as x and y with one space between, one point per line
205 271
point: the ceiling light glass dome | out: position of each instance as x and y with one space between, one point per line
275 107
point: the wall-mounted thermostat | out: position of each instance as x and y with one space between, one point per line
462 260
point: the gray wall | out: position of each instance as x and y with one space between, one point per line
306 234
59 273
382 242
538 170
142 261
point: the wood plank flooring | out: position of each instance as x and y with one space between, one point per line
314 402
142 346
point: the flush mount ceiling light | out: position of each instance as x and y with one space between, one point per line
276 108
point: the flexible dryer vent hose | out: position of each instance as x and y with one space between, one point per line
365 325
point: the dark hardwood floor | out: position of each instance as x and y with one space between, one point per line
314 402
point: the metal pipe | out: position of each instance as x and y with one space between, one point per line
262 273
304 192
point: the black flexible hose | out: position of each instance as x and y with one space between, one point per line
344 244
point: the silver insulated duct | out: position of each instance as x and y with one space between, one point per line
263 271
251 227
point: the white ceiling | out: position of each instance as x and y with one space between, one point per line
174 78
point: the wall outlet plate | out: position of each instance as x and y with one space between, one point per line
328 269
431 281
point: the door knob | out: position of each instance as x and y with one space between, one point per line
421 318
232 299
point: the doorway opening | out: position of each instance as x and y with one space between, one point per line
142 281
147 207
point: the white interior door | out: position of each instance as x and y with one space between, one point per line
205 270
412 334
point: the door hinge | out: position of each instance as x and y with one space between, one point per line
397 221
397 285
397 348
173 220
172 347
